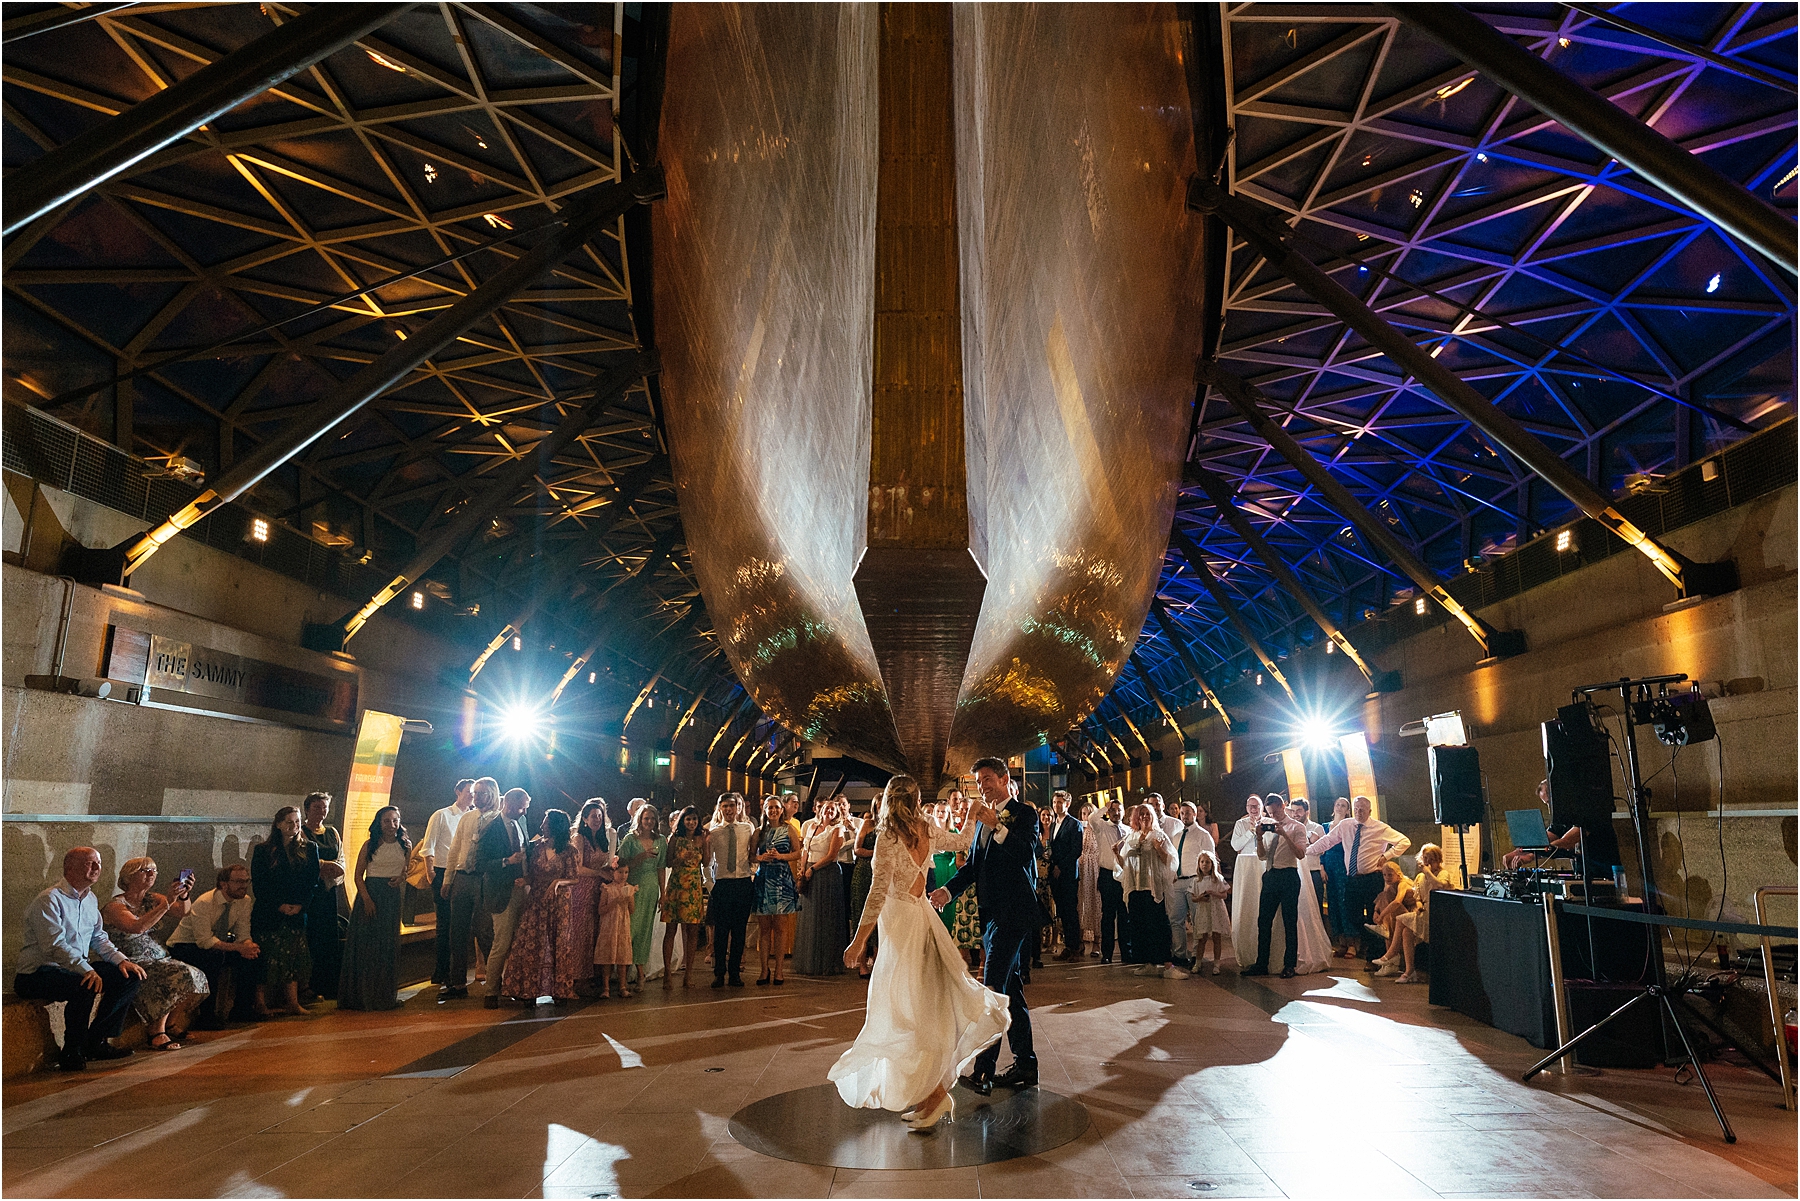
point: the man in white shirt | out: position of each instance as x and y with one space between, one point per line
728 848
215 937
1367 845
440 831
469 919
1165 815
1191 841
1301 811
1107 835
68 957
1281 844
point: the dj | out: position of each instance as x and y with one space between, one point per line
1602 845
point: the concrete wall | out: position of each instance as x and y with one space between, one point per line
1603 622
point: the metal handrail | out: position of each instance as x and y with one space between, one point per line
1768 958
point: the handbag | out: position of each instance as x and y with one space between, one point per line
418 868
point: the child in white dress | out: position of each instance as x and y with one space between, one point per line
1207 917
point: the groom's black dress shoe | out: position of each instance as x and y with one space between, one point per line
1016 1078
980 1085
1254 971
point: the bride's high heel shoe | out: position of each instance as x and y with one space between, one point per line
926 1119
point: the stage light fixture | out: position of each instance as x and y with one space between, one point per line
1440 729
1419 606
259 529
1565 540
518 643
1316 734
418 600
593 677
520 722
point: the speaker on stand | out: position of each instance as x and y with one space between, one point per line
1456 798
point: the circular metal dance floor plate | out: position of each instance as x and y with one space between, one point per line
813 1125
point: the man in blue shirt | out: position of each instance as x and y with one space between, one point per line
67 957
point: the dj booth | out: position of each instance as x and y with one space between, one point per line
1490 960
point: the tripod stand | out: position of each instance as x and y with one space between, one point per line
1660 992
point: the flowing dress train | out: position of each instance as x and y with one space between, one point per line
927 1018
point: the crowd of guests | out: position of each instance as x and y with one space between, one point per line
571 909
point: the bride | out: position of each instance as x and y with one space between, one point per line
927 1017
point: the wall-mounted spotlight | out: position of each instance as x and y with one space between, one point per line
259 529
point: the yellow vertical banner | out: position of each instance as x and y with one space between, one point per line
1361 770
371 779
1295 766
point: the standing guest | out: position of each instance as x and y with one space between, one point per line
862 876
1164 813
777 898
1108 834
644 854
1367 844
470 922
323 928
284 874
1044 937
962 916
1145 859
1087 881
1281 845
790 813
1331 861
1066 840
543 960
1301 811
1246 881
728 848
440 831
1205 821
67 957
612 940
684 900
1208 891
818 936
848 826
593 866
171 988
500 858
1190 843
1413 926
215 937
370 977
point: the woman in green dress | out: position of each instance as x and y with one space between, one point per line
684 902
943 865
643 854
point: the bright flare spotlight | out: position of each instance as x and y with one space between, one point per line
521 723
1317 734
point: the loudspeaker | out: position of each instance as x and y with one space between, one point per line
1580 773
1456 785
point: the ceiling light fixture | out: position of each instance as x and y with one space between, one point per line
382 60
496 220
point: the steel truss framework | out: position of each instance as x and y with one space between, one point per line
1622 329
237 274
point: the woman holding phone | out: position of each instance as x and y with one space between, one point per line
171 988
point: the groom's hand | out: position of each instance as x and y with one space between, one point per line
940 897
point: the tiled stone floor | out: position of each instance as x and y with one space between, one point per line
1326 1087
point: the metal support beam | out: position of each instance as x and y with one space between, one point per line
1132 726
1220 495
1156 696
1248 402
688 716
1579 109
506 484
629 488
1197 561
1722 61
749 703
579 221
1264 229
642 696
215 89
1160 611
657 554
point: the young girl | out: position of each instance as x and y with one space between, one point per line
612 946
1207 916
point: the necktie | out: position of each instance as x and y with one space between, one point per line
222 924
1179 847
1356 852
731 850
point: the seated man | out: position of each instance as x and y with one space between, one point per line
62 932
214 937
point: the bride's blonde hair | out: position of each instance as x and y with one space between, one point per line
901 811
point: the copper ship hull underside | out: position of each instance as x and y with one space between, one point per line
1076 277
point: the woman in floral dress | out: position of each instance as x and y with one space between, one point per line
593 862
965 927
684 897
171 988
544 959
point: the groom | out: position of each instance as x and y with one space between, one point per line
1003 868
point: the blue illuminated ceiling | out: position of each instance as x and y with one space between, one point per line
1622 329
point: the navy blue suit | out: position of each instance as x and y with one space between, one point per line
1004 875
1065 865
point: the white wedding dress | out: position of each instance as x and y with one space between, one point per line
1246 895
927 1017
